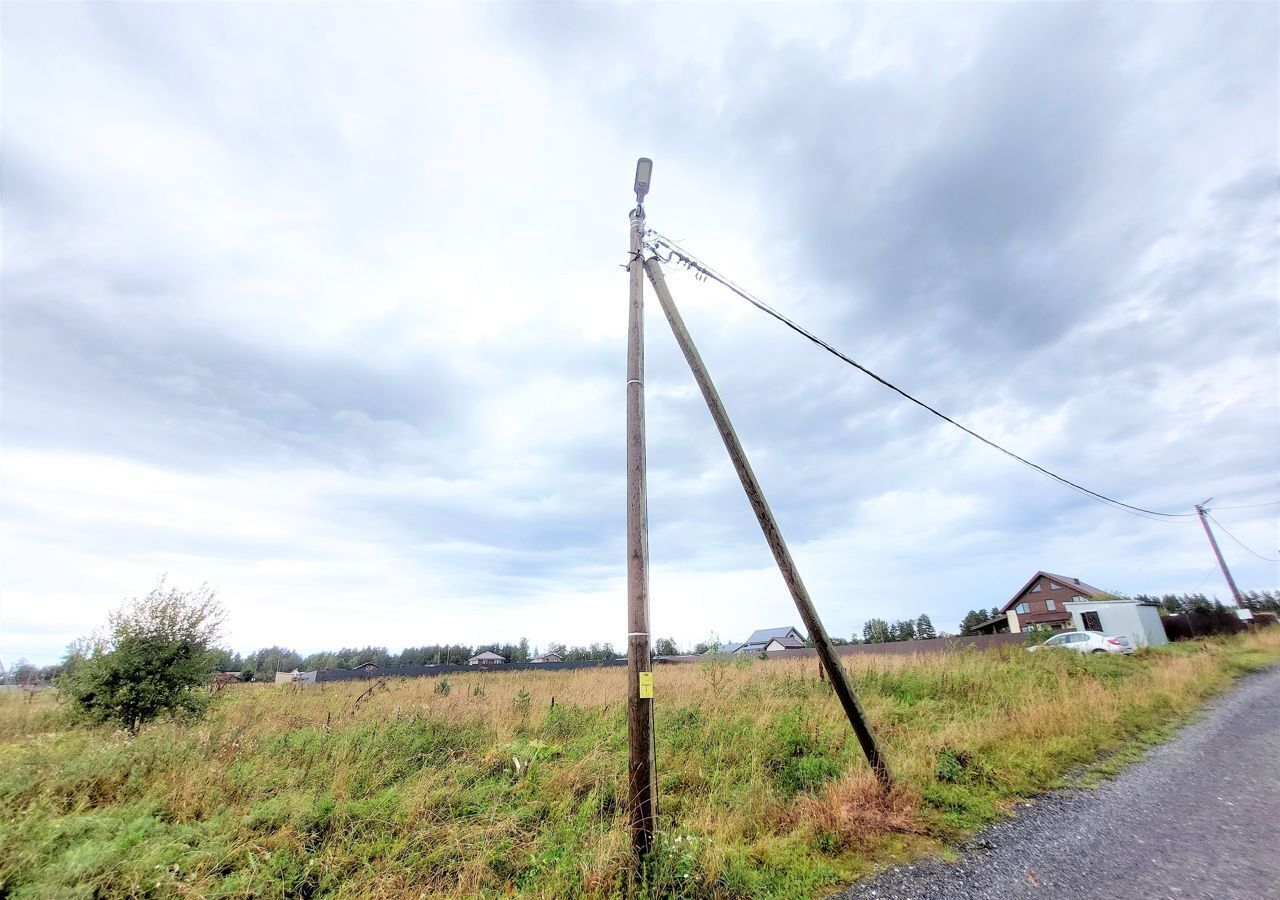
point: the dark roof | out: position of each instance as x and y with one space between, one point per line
1065 581
765 635
1086 590
787 641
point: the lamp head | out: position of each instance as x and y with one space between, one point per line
644 171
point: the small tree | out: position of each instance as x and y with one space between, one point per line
155 657
924 628
24 672
665 647
715 665
877 631
974 618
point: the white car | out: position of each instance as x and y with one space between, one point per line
1087 642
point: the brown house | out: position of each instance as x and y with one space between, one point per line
1042 601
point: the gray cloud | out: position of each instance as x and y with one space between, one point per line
337 296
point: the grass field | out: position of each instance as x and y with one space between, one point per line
489 791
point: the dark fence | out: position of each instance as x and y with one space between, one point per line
935 645
420 671
932 645
1186 626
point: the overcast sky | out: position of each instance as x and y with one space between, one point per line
322 305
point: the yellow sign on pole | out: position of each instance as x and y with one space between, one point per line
646 685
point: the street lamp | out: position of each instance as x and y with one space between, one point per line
644 169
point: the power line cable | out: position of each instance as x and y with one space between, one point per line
1242 543
678 253
1212 569
1251 505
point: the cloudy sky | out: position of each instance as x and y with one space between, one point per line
322 305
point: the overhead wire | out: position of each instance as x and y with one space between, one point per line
656 241
1251 505
1212 569
1240 542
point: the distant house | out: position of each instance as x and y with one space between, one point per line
765 640
223 679
1042 602
365 667
486 659
769 639
547 657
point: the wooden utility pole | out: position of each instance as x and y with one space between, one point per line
1213 542
840 681
642 793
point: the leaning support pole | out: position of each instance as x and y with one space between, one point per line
817 633
1222 563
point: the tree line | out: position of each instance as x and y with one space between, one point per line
270 660
1174 604
262 665
882 631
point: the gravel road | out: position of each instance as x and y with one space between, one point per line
1199 817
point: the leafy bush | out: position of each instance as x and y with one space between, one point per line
155 659
1036 635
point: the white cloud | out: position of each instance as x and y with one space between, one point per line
322 306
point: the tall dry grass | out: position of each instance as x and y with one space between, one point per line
490 790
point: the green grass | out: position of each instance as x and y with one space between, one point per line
286 792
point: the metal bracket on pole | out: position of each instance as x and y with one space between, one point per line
840 681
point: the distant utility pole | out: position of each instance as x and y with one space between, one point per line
642 793
1213 542
840 681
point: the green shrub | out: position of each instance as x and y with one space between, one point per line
156 660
